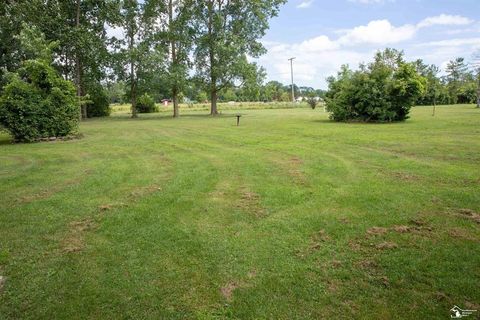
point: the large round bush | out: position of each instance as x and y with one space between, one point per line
382 91
37 103
146 104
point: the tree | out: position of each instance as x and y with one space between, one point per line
312 99
273 91
226 32
79 27
456 70
433 86
12 15
382 91
36 102
138 55
179 35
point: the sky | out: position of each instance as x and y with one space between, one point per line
324 34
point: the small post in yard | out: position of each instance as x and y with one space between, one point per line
238 115
291 71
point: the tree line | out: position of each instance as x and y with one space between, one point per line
459 84
271 91
165 45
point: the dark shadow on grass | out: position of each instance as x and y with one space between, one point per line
5 137
6 140
359 123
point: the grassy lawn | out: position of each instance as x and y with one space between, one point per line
288 216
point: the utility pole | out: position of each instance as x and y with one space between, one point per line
291 71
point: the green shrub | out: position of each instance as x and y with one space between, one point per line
37 103
383 91
98 102
312 101
146 104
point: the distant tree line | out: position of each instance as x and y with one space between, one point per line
271 91
460 84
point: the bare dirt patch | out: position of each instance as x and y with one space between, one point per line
75 238
441 297
384 281
401 229
354 245
368 264
470 214
3 279
316 241
228 289
252 274
402 176
292 166
460 233
333 285
296 161
399 175
375 231
336 263
345 220
472 306
250 202
317 238
418 222
417 228
105 207
144 191
47 193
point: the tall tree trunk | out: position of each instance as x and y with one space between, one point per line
213 97
133 80
175 102
78 66
133 90
174 59
213 78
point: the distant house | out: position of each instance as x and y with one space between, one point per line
165 102
300 99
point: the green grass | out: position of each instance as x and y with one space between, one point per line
195 218
223 106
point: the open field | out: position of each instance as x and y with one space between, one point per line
223 106
288 216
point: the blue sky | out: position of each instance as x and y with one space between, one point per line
324 34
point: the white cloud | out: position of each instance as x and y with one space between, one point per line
452 42
444 20
321 43
378 32
305 4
